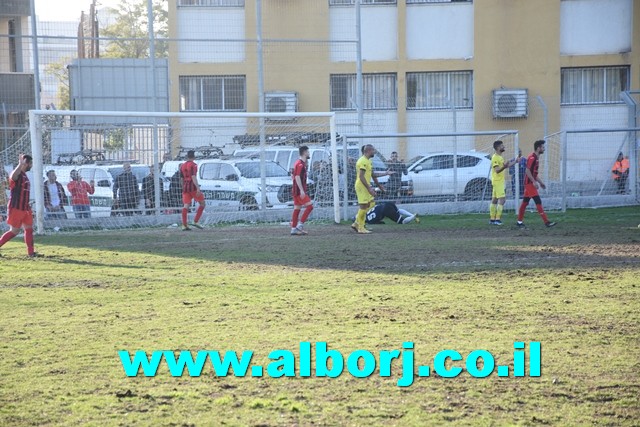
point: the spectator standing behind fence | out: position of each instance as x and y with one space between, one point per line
522 167
149 191
620 173
175 190
125 190
4 185
55 198
80 191
395 180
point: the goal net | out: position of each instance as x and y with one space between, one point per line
121 169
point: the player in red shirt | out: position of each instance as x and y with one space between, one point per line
191 191
531 184
19 210
299 191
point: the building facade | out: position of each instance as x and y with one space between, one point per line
428 65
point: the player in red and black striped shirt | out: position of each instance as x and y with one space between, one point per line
531 184
191 190
299 192
19 210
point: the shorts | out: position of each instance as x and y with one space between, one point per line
364 198
499 192
18 218
188 197
530 191
301 201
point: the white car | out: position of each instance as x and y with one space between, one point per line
433 175
236 184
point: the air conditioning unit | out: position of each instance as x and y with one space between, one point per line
281 102
509 103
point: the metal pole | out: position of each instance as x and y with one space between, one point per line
516 191
564 171
36 62
263 169
546 133
154 85
359 85
345 176
455 151
334 167
36 152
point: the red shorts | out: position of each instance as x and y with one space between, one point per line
188 197
530 191
301 201
17 218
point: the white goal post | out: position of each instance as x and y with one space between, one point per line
62 140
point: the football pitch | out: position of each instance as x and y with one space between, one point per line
450 282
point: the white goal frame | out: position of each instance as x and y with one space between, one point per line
35 129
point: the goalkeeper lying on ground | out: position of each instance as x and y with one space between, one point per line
376 214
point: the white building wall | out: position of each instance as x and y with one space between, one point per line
373 122
592 27
590 156
211 23
439 121
219 132
440 31
379 33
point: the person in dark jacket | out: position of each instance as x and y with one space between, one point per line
149 191
395 180
125 190
55 198
175 190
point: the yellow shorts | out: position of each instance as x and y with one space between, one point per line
364 198
499 192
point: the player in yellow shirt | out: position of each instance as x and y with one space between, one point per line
364 190
498 167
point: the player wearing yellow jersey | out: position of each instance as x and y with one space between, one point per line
364 190
498 167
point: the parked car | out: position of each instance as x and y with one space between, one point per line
433 175
236 184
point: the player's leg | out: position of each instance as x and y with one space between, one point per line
542 213
521 211
364 201
9 234
186 203
308 208
199 211
499 195
493 209
294 220
499 209
408 216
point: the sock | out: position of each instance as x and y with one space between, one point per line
294 218
499 209
362 213
306 213
523 208
198 214
28 240
542 214
404 213
492 211
184 216
6 237
408 219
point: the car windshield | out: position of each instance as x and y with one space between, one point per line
252 170
140 171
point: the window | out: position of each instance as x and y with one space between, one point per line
593 85
431 91
212 3
437 162
437 1
351 2
226 172
379 92
212 93
467 161
210 171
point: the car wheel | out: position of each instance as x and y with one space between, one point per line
248 203
478 189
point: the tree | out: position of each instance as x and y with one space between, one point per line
60 72
131 29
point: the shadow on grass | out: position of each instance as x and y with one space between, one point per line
582 239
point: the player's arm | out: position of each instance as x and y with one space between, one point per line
22 167
299 184
505 165
194 179
541 183
530 176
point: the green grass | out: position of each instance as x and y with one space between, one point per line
449 282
